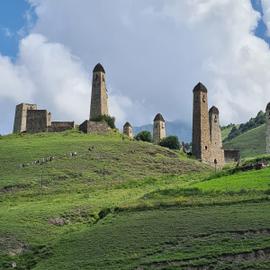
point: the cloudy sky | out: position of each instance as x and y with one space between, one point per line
153 51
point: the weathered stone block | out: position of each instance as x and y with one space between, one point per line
59 126
94 127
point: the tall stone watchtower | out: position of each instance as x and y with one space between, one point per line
21 116
217 152
99 98
268 128
159 130
200 129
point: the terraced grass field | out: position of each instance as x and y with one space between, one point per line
121 204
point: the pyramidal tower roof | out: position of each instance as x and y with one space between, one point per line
159 117
99 68
200 87
214 110
127 124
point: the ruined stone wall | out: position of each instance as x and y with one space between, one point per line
231 155
200 130
21 116
59 126
94 127
38 121
159 131
217 153
268 129
99 97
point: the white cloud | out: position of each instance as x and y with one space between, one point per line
49 75
153 51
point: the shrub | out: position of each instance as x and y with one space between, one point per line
144 136
106 118
170 142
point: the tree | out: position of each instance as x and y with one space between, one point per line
170 142
144 136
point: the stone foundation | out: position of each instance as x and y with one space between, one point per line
94 127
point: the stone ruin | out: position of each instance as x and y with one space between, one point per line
31 120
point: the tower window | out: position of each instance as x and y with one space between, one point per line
203 99
96 77
205 147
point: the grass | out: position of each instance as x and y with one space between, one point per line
121 204
225 132
250 143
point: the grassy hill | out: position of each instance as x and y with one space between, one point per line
121 204
250 143
225 131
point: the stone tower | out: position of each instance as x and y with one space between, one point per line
21 116
127 130
200 129
159 131
99 98
217 152
38 121
268 128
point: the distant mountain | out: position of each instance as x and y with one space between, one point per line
177 128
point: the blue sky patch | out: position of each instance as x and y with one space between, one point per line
16 16
261 30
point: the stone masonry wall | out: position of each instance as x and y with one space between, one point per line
94 127
159 131
217 153
99 97
38 121
21 116
59 126
200 130
231 155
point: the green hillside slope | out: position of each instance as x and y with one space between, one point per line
121 204
250 143
225 131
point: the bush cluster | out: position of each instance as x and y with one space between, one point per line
106 118
144 136
170 142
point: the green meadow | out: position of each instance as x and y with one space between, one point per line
76 201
